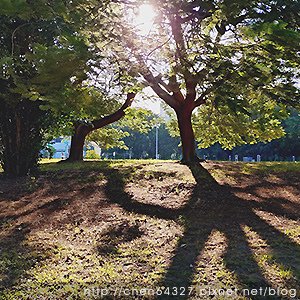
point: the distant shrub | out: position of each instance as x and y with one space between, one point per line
91 154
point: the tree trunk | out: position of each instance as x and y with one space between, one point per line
82 130
184 117
77 142
20 136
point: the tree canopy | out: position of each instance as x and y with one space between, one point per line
238 60
43 61
49 69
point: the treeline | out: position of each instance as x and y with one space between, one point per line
282 149
143 145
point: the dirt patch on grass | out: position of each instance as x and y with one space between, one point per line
150 225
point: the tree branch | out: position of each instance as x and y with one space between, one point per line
156 84
114 116
202 98
189 78
13 37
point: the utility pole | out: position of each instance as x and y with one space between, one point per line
156 141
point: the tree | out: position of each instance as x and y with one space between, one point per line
230 58
47 80
82 129
283 148
86 100
109 138
143 145
30 30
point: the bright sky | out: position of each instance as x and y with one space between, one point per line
145 18
151 101
144 22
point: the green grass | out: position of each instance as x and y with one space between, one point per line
269 167
49 165
247 168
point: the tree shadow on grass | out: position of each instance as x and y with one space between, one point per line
15 258
18 218
214 207
111 239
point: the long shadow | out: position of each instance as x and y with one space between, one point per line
15 258
213 207
115 190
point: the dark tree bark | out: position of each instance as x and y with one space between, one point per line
77 142
187 135
183 106
21 124
82 130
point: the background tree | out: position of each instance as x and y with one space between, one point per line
109 138
135 137
234 59
280 149
143 145
137 120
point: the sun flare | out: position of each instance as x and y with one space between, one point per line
145 18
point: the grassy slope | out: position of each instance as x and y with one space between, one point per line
149 224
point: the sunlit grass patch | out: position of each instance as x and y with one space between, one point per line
273 264
293 232
129 252
268 167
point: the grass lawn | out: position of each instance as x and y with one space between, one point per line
121 226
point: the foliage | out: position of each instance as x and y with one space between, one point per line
168 147
283 148
20 136
136 120
91 154
142 145
46 57
238 60
51 150
40 51
108 137
256 121
139 119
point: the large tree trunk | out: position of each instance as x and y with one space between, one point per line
82 130
184 117
77 142
20 136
